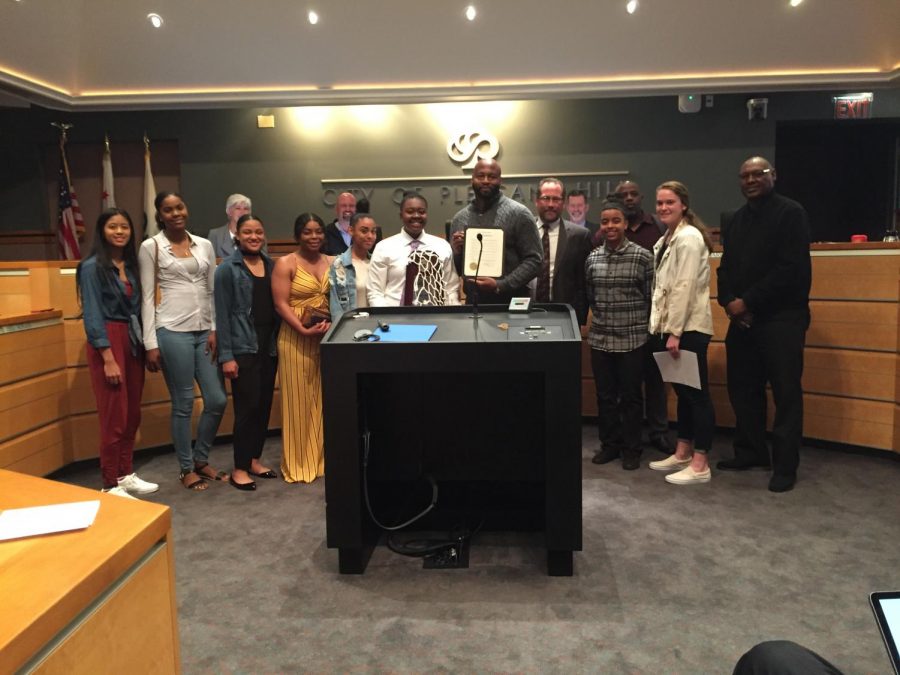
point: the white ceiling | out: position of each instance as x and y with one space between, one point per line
90 54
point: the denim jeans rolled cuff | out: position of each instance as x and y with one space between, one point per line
696 415
184 360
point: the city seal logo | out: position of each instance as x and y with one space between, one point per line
467 148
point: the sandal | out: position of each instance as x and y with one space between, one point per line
212 474
191 481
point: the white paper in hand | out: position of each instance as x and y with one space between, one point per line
683 370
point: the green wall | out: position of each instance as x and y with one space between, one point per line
223 151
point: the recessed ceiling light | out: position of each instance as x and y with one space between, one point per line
155 19
471 13
631 6
313 17
796 3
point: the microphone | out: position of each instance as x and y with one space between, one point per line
480 237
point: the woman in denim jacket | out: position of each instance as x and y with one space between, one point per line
247 328
110 294
350 270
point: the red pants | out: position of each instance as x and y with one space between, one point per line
118 406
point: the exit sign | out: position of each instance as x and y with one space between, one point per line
853 107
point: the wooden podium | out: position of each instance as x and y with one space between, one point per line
487 409
99 600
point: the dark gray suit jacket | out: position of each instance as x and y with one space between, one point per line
572 249
223 246
221 240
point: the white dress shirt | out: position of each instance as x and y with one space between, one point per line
187 296
554 238
387 269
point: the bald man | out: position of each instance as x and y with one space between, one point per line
337 233
522 249
763 284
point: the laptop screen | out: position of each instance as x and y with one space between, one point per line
886 605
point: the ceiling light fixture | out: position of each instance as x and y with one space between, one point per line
631 6
313 17
796 3
155 19
471 13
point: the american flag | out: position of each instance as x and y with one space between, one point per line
69 222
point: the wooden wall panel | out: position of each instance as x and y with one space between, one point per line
31 352
44 447
15 291
75 342
30 404
134 625
838 371
65 296
845 420
855 278
853 325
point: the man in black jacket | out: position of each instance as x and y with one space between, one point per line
763 281
337 233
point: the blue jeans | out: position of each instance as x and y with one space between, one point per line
183 361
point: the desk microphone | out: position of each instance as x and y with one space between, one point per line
480 237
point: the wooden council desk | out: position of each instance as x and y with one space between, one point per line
100 600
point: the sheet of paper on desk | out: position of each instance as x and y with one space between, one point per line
683 370
35 520
406 333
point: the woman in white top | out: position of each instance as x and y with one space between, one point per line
350 270
681 317
179 333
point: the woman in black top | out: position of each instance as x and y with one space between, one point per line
247 328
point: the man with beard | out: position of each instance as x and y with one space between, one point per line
764 280
565 249
521 243
577 208
644 229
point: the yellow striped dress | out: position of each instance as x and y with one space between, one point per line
303 456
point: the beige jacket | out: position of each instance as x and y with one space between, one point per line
681 285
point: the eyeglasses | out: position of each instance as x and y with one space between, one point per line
551 199
757 173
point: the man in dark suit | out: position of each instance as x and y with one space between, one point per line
565 250
577 207
337 233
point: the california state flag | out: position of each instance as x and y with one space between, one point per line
150 226
108 198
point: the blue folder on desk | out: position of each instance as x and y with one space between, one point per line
406 333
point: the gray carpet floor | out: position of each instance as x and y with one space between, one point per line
672 579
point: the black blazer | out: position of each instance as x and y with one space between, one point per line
334 241
572 249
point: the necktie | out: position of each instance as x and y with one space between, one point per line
412 269
542 290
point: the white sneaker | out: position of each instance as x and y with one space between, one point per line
118 492
688 476
670 463
135 485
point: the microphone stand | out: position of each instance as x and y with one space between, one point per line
475 315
